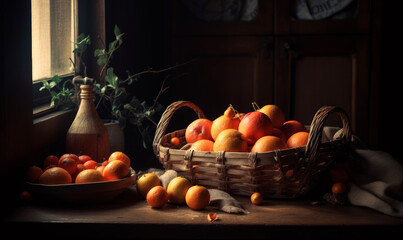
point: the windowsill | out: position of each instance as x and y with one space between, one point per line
43 114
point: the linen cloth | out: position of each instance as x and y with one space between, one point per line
377 182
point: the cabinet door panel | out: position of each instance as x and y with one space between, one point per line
226 71
318 70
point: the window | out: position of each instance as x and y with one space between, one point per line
54 30
53 34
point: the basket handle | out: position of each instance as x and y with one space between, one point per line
166 117
316 131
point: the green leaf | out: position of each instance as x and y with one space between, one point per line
56 79
116 30
103 89
111 78
99 52
102 60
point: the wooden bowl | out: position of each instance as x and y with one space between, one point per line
82 192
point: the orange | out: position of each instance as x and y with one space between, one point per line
146 182
298 139
68 163
255 125
268 143
177 189
100 169
115 170
256 198
203 145
278 133
89 175
275 114
55 175
33 173
84 158
198 129
71 155
292 126
26 196
91 164
80 167
50 160
339 188
157 197
226 121
175 141
197 197
231 140
120 156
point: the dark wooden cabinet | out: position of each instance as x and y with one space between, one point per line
312 71
223 71
299 65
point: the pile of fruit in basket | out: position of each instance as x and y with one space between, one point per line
262 130
70 168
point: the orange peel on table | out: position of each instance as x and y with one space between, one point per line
211 217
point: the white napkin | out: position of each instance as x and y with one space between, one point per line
378 183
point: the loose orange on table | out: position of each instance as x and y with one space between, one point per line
339 188
256 198
197 197
157 197
177 189
146 182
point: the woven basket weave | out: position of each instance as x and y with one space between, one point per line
285 173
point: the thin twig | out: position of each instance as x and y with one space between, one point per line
157 71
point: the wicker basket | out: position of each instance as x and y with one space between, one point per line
288 173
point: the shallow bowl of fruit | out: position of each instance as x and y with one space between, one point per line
75 179
82 192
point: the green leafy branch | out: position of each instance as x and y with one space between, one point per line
60 95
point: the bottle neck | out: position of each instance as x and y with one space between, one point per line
87 92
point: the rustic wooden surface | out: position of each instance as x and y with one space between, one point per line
128 216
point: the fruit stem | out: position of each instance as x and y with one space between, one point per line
255 106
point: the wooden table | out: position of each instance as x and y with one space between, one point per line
130 217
